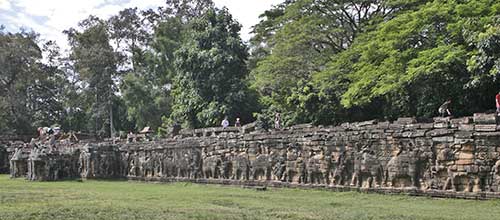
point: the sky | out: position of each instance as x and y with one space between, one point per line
51 17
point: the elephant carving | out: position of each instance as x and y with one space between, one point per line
211 165
241 165
261 167
367 168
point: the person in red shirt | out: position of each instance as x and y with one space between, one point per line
497 100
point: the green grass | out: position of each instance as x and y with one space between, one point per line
20 199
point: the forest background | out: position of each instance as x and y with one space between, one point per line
314 61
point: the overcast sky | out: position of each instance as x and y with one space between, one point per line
51 17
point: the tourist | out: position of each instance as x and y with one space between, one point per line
277 120
130 137
41 133
52 140
225 123
497 100
444 108
237 123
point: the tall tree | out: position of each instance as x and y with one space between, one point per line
297 39
418 59
211 69
31 91
19 57
95 62
187 9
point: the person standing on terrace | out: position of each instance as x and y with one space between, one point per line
225 123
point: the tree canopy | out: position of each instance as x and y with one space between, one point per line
319 61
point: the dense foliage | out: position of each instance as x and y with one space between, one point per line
318 61
376 59
211 70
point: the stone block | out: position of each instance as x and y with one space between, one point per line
396 126
485 127
441 119
249 128
405 121
427 125
483 118
443 139
464 134
383 125
464 120
414 134
439 132
412 126
441 125
466 127
366 123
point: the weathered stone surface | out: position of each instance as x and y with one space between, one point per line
4 159
372 156
485 127
466 127
367 123
463 134
406 121
482 118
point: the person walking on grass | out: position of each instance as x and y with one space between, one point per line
444 108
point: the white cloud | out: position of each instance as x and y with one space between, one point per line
51 17
247 12
5 5
145 4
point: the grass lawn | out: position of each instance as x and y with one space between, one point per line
20 199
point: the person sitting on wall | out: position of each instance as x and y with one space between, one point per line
444 108
225 123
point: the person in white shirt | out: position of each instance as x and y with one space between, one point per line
225 122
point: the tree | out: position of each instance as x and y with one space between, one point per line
127 31
145 107
95 62
31 91
210 72
187 9
46 91
19 56
410 64
297 39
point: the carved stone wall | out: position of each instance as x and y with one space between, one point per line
442 157
4 159
18 161
47 165
100 161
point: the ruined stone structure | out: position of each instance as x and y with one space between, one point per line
4 159
444 157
